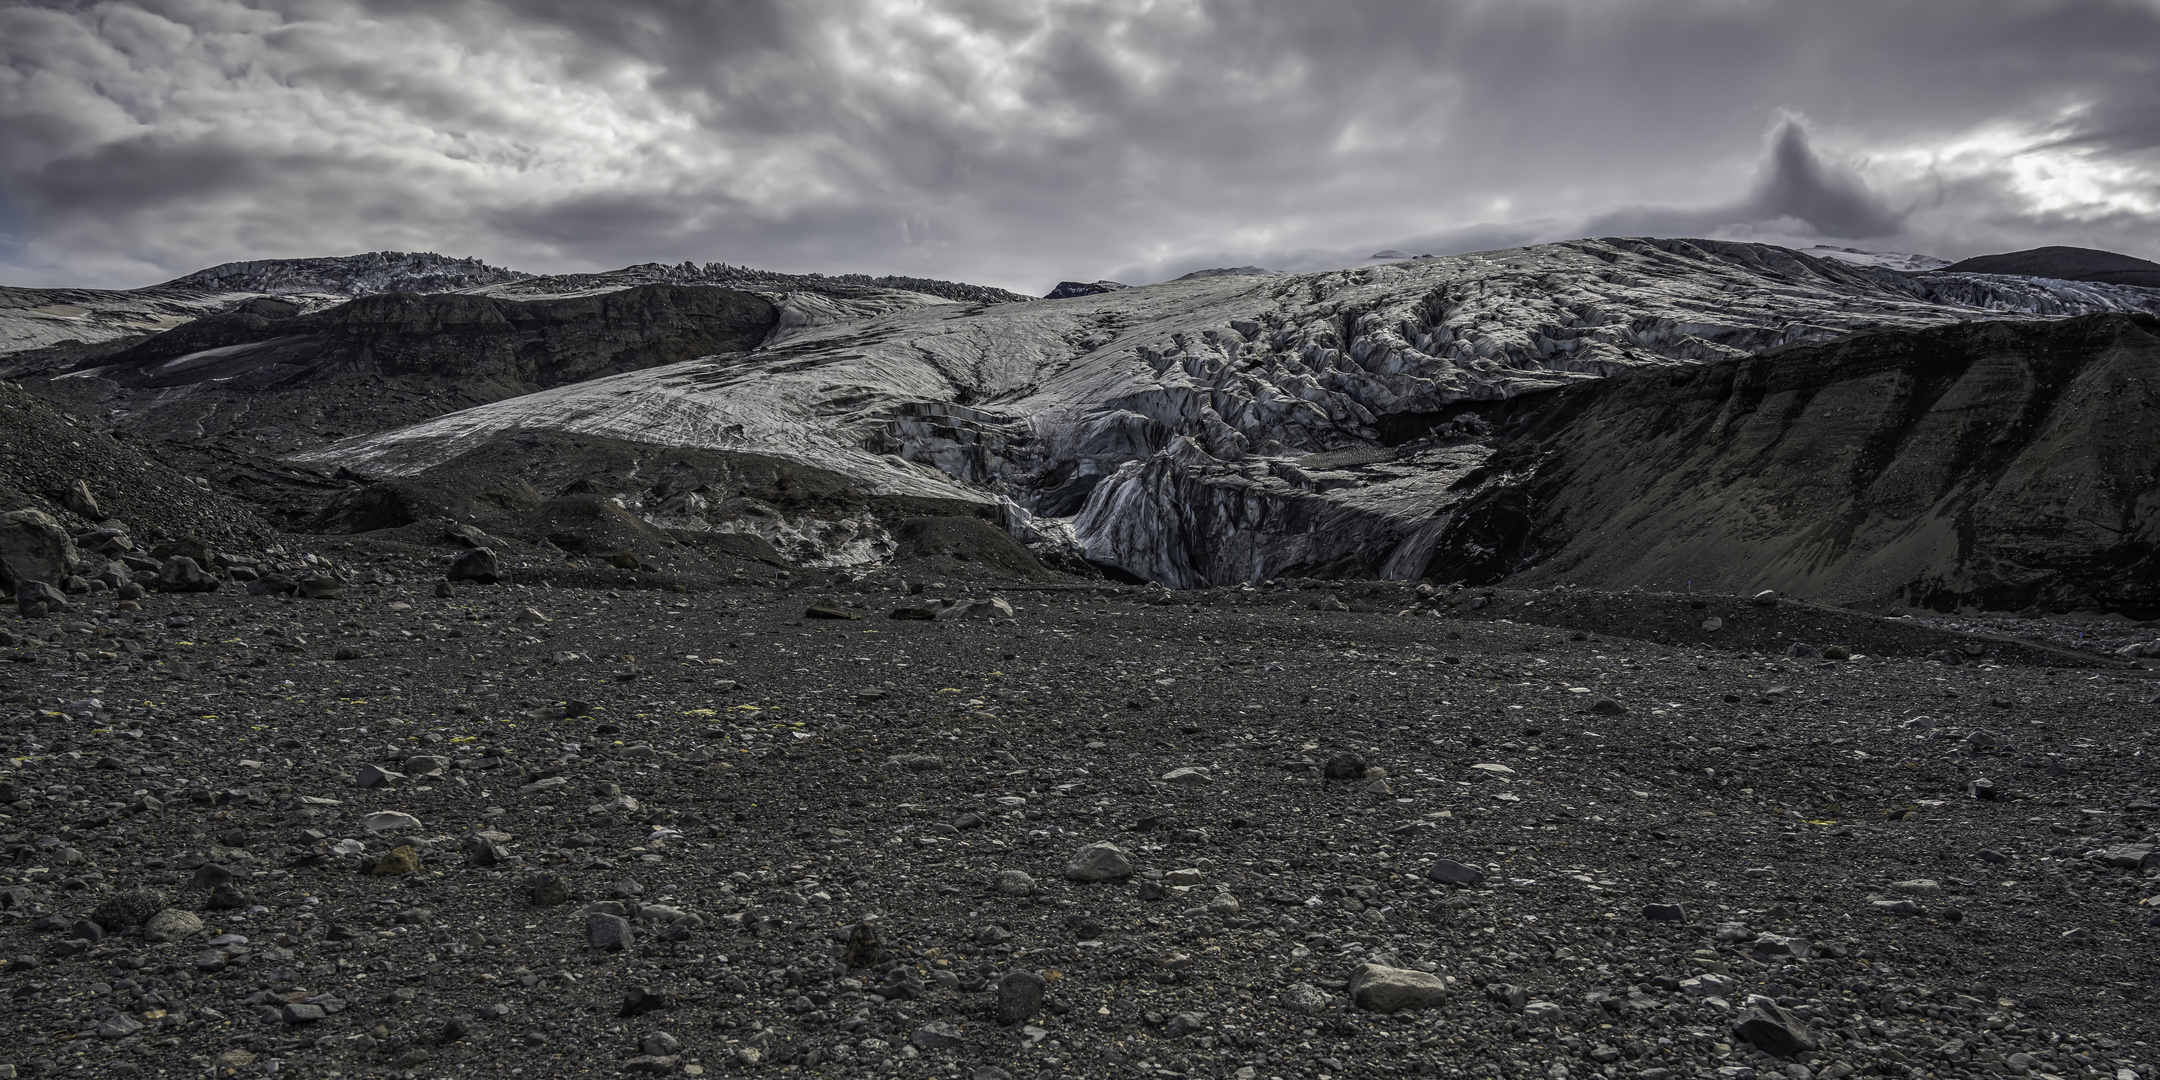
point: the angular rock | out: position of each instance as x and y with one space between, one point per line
1099 862
120 1027
79 498
390 821
33 547
314 587
399 861
38 596
643 999
607 933
861 950
1345 767
1387 989
1304 999
1019 996
2129 856
547 890
182 574
1774 1032
476 564
937 1035
172 924
994 608
1775 945
1448 872
135 907
371 776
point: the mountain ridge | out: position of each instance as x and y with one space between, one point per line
2065 264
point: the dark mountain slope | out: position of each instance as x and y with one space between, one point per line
2065 263
382 361
2001 465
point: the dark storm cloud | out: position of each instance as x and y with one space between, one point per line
1794 185
1022 141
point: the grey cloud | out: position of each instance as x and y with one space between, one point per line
1793 183
1835 201
1021 143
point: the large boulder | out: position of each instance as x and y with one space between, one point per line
29 593
476 564
79 498
182 574
1773 1031
33 547
1386 989
1099 862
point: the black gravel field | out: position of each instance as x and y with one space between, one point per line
539 832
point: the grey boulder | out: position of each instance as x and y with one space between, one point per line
1387 989
1099 862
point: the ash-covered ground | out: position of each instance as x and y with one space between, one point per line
538 830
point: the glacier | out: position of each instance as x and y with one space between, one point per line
1234 427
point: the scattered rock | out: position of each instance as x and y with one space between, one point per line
1774 1032
390 821
373 776
1099 862
607 933
134 907
1345 767
1304 999
172 924
1448 872
1019 996
547 890
937 1035
399 860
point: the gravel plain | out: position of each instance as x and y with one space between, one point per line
521 830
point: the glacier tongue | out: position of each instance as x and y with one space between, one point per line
1234 427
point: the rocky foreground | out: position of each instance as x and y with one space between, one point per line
491 830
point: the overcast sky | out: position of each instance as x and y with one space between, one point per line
1020 142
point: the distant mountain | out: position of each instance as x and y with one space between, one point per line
1226 271
1888 260
1066 290
847 286
2065 264
91 322
345 275
288 380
